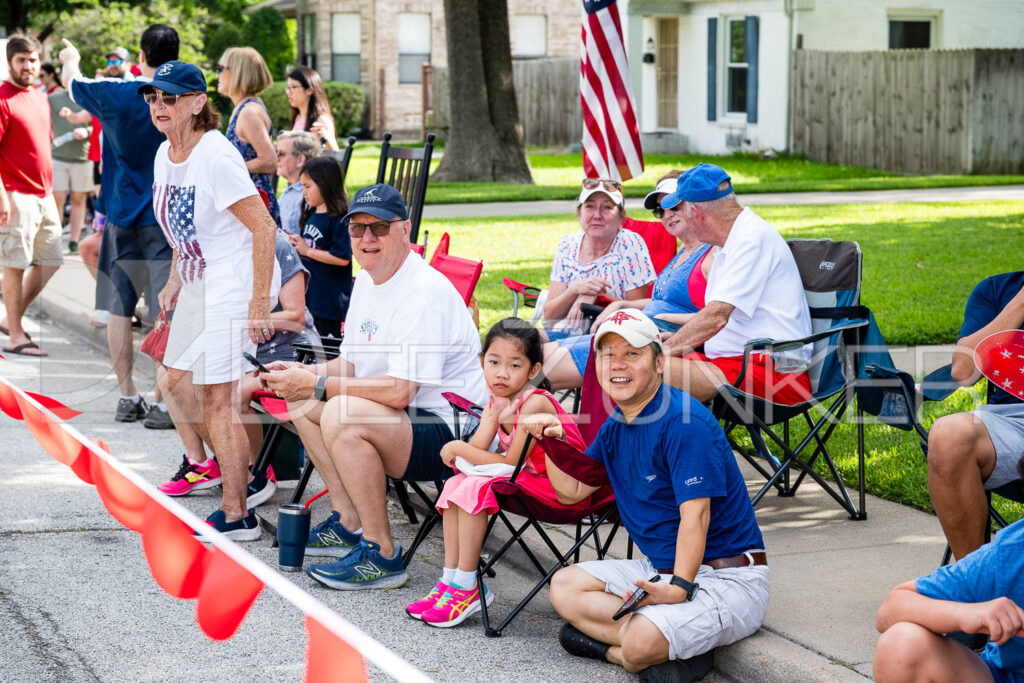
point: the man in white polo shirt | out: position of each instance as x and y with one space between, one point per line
754 292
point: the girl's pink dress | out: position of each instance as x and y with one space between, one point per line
473 493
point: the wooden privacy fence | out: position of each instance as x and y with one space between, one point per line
911 111
547 93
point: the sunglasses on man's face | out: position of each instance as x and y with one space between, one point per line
167 98
378 228
609 185
115 62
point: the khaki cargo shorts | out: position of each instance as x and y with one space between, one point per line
33 235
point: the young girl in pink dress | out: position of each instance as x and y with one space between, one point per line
511 357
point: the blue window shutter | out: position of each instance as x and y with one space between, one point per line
712 67
751 26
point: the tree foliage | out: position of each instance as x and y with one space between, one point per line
264 30
96 30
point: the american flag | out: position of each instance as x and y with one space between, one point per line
175 211
611 137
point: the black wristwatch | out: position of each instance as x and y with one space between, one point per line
690 588
320 390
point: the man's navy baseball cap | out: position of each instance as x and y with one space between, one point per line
381 201
699 184
176 78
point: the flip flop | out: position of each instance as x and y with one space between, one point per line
20 350
4 330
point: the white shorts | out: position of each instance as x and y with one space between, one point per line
72 175
208 333
33 235
729 605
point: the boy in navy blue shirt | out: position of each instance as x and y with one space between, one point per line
683 501
981 593
970 453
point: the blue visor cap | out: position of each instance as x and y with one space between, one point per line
176 78
699 184
380 201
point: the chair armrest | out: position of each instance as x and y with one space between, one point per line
939 384
528 291
462 404
772 345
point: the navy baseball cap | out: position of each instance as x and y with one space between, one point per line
176 78
381 201
699 184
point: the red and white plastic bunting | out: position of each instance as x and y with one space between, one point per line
223 579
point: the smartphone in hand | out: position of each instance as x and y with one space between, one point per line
633 601
249 357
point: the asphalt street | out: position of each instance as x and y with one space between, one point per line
78 602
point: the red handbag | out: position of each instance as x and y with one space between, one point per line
155 343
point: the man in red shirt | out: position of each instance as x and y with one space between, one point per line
31 248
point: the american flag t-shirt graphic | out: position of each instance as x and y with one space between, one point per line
176 208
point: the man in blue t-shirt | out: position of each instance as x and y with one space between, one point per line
970 453
684 503
981 593
134 257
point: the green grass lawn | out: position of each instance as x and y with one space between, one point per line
557 176
921 261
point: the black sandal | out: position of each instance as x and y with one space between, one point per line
579 644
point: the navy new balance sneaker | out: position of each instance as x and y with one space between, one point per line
330 538
362 570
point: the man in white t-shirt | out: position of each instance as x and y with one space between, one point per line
754 292
408 338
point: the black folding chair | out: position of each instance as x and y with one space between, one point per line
343 157
831 274
407 169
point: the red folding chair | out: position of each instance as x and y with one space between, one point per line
441 249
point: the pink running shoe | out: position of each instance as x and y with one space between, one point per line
416 609
455 606
191 478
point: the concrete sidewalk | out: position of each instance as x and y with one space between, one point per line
941 194
829 574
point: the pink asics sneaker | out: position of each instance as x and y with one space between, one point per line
455 606
191 478
416 609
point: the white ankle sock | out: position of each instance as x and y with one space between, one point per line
447 576
465 580
204 463
161 406
134 399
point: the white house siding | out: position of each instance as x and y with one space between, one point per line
822 25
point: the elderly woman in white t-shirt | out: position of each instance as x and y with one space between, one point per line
224 276
604 260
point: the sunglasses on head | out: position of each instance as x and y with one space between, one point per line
378 228
608 185
169 99
115 62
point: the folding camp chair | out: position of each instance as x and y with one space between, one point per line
343 157
831 274
587 518
407 169
898 387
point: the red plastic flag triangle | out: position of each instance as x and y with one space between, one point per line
1000 357
177 559
55 406
329 659
9 401
125 501
50 434
227 593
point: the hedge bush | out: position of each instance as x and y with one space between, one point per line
346 100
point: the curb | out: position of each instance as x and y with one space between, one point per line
64 313
769 658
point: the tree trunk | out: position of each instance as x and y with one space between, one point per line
485 141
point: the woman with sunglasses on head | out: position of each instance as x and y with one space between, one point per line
310 109
241 76
223 274
604 260
677 295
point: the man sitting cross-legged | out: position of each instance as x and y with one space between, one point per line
683 501
969 453
408 339
982 593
